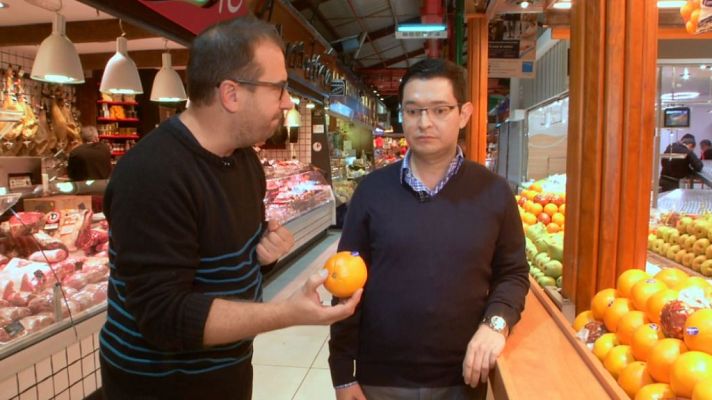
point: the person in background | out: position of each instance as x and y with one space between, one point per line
189 236
90 160
447 272
705 150
680 167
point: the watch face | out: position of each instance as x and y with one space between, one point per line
498 323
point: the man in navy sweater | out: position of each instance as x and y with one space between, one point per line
188 232
444 245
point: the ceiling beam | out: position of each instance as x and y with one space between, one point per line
142 58
396 60
106 30
302 5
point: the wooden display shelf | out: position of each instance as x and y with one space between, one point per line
117 103
102 119
544 360
125 137
664 262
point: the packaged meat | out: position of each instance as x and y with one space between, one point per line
97 269
21 299
100 294
26 223
51 256
76 281
41 304
70 306
83 298
47 242
73 225
35 323
14 313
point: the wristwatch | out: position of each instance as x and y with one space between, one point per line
497 324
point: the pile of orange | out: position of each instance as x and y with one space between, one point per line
646 364
690 13
536 206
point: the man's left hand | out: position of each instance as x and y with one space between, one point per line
275 243
482 352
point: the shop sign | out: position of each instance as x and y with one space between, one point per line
195 17
512 46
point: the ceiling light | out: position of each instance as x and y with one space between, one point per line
685 75
421 28
121 74
563 5
381 98
671 3
293 119
167 86
57 60
296 100
310 105
524 4
680 96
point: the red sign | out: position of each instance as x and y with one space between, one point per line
196 18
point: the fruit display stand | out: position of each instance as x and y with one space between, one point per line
544 357
687 201
706 173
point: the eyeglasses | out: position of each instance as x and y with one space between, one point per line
438 112
283 86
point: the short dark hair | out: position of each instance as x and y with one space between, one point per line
226 50
705 142
438 68
688 141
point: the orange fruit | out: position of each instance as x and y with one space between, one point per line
347 273
553 228
656 302
655 391
686 11
628 279
642 291
614 313
634 377
582 319
558 218
702 391
691 27
695 16
628 325
698 331
536 209
617 359
688 370
562 209
671 276
662 356
536 187
694 3
604 344
644 338
529 218
551 209
601 301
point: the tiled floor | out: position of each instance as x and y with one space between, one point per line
291 364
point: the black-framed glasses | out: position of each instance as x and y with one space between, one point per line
283 86
439 112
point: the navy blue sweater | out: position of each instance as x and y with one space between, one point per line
435 269
184 228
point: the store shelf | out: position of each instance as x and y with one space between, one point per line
102 119
664 262
122 137
118 103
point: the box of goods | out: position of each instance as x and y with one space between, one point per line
56 203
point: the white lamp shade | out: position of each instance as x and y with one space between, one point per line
167 86
294 119
57 60
121 74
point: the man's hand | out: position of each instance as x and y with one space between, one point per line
275 243
352 392
307 308
482 352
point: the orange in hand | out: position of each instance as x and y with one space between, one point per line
347 273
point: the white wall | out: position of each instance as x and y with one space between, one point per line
700 126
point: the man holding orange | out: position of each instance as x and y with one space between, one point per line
448 280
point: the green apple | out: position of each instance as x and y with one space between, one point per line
689 243
679 255
651 240
672 250
687 259
706 268
674 235
546 281
553 269
541 259
657 245
664 248
559 282
697 262
681 239
666 233
683 223
702 228
708 252
691 227
700 246
659 231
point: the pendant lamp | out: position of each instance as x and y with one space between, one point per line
121 74
57 60
167 86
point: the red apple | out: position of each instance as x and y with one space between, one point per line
544 218
522 201
556 199
541 198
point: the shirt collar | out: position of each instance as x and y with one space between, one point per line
406 173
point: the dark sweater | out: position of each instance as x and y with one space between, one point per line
89 161
678 168
184 227
435 269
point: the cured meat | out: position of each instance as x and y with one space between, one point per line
52 256
37 322
83 298
26 223
94 238
76 281
21 299
14 313
73 224
7 288
74 308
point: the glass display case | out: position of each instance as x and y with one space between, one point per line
292 195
